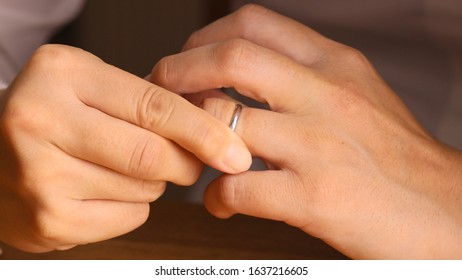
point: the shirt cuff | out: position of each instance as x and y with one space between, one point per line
3 85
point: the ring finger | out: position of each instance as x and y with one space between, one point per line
253 126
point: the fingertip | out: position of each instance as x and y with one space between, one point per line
220 213
213 204
237 158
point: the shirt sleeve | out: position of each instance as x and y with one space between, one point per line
3 85
27 24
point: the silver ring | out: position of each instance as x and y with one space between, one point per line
235 118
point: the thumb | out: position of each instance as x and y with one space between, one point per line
262 194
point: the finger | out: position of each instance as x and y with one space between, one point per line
82 180
66 177
252 70
258 128
130 98
127 149
261 26
197 98
99 220
265 194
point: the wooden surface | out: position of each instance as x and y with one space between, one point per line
177 230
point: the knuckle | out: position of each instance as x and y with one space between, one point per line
348 95
235 56
48 216
193 40
155 109
20 119
230 192
243 20
27 108
354 57
51 58
47 226
246 16
51 61
145 158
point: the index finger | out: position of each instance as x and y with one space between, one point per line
261 26
254 71
130 98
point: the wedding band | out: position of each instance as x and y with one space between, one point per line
235 118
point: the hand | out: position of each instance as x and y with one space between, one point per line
85 147
348 162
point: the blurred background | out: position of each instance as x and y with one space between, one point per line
134 35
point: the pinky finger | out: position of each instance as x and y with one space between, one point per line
101 220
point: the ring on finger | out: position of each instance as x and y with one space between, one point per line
235 117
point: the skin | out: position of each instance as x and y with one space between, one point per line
86 146
348 162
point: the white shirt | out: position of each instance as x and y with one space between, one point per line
27 24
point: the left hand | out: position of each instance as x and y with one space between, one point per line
85 147
349 162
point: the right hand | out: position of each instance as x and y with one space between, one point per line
85 147
348 163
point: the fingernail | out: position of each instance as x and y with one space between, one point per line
238 157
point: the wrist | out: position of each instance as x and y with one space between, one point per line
431 213
416 215
445 240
